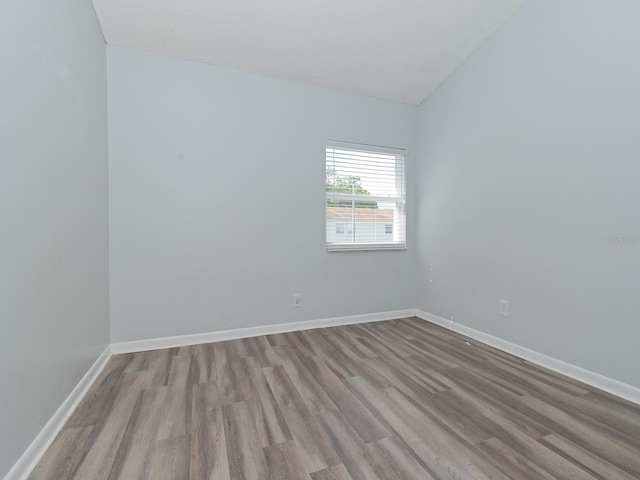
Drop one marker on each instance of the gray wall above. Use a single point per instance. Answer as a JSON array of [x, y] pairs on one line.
[[529, 158], [53, 211], [217, 199]]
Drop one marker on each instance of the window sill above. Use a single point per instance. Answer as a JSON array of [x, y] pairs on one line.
[[364, 247]]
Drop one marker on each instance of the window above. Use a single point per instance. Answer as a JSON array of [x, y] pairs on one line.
[[365, 190]]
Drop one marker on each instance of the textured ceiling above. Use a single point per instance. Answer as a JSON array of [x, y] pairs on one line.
[[395, 49]]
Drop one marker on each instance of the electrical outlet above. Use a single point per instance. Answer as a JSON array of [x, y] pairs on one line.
[[503, 308], [297, 300]]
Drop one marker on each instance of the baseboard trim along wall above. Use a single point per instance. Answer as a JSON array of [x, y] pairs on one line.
[[38, 447], [34, 452], [183, 340], [615, 387]]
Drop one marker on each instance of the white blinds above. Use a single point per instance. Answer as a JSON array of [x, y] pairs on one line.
[[365, 189]]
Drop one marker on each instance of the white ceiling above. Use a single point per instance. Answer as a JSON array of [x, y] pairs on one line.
[[395, 49]]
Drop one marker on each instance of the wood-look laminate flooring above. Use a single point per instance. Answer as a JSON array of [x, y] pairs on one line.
[[394, 400]]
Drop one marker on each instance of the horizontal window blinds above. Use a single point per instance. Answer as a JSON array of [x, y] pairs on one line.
[[365, 190]]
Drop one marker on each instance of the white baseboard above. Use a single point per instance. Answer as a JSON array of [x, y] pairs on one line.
[[615, 387], [183, 340], [35, 451]]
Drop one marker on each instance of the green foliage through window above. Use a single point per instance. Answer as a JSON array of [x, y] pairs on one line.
[[347, 184]]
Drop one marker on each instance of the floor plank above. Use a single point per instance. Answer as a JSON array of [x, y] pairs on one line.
[[395, 400]]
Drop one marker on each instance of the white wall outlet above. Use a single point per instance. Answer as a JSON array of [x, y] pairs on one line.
[[297, 300], [503, 308]]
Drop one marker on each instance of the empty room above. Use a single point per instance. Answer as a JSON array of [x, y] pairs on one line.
[[306, 240]]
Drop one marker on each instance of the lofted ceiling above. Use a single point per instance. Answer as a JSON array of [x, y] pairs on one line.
[[395, 49]]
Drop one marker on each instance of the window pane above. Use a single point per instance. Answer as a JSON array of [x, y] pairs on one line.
[[365, 192]]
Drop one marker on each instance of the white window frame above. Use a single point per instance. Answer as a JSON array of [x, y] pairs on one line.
[[398, 198]]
